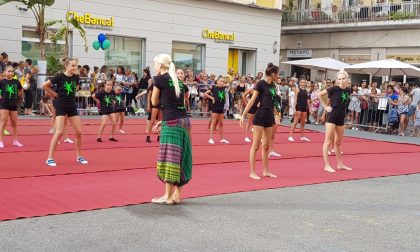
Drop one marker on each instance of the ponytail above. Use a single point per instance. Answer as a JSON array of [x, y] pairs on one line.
[[172, 74], [166, 61]]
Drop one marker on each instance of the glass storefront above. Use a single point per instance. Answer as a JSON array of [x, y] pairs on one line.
[[188, 55], [30, 45], [125, 51]]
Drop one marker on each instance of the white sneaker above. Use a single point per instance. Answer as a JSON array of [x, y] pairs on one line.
[[247, 140], [211, 141], [291, 139], [17, 144], [122, 131], [274, 154], [356, 129], [353, 128], [68, 140], [224, 141], [304, 139]]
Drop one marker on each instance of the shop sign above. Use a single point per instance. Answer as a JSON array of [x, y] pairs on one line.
[[92, 22], [299, 53], [355, 58], [218, 36], [406, 58]]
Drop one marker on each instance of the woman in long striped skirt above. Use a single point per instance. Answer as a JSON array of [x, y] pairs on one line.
[[174, 166]]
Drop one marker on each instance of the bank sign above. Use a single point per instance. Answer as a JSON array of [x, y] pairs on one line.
[[218, 36], [90, 21]]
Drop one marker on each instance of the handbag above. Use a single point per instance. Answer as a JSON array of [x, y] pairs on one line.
[[24, 83], [393, 115], [364, 105]]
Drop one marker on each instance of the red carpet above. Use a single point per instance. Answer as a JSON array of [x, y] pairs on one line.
[[123, 173]]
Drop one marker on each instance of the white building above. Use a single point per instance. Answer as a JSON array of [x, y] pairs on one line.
[[210, 35]]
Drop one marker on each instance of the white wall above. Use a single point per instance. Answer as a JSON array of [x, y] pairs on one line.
[[160, 22]]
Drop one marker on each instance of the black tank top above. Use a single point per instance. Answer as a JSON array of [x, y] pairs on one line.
[[240, 89], [302, 99]]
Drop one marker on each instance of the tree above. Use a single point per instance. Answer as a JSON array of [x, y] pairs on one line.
[[63, 33], [38, 9]]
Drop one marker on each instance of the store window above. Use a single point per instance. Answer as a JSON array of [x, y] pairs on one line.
[[188, 55], [125, 51], [30, 45]]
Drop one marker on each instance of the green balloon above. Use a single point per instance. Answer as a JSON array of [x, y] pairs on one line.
[[96, 44], [106, 44]]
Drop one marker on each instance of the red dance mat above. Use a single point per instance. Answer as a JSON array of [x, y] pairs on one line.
[[123, 173]]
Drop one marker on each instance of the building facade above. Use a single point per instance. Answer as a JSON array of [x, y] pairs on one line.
[[351, 32], [201, 35]]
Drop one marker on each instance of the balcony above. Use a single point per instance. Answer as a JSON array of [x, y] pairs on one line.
[[351, 16]]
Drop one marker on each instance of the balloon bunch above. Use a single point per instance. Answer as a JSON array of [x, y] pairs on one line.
[[102, 42]]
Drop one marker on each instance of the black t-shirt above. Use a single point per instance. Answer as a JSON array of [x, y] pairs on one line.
[[66, 89], [219, 94], [106, 100], [339, 99], [9, 92], [119, 101], [172, 107], [144, 83], [266, 95]]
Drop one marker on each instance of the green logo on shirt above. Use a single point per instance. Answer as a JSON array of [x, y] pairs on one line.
[[119, 99], [12, 90], [273, 93], [70, 87], [180, 84], [221, 95], [108, 100], [344, 97]]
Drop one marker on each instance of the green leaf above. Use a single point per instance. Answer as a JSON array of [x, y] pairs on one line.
[[53, 22]]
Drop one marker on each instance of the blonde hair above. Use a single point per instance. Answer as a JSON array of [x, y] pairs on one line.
[[342, 72], [167, 64]]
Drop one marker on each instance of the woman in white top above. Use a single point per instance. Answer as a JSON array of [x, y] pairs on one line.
[[292, 87]]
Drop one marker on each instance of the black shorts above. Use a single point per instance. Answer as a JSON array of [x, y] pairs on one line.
[[66, 110], [9, 107], [301, 109], [119, 110], [217, 111], [106, 112], [335, 118], [264, 119]]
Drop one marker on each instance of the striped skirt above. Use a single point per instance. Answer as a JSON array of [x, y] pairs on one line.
[[174, 164]]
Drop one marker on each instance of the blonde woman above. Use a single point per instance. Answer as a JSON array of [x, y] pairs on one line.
[[339, 95], [174, 164]]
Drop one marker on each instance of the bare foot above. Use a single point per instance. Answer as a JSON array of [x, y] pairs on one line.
[[345, 168], [254, 176], [328, 169], [176, 200], [269, 174]]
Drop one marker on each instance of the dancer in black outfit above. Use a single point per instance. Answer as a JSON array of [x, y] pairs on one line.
[[339, 96], [65, 106], [301, 105], [265, 90], [106, 100], [218, 99]]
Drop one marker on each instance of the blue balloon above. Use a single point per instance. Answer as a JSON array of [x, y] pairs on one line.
[[101, 37]]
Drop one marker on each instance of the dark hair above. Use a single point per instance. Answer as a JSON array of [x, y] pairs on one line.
[[15, 64], [354, 85], [122, 69], [79, 66], [416, 85], [29, 62], [271, 69], [4, 54], [95, 68], [147, 71], [103, 69], [405, 90], [87, 68]]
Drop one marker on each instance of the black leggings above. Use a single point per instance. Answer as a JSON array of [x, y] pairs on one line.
[[128, 99]]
